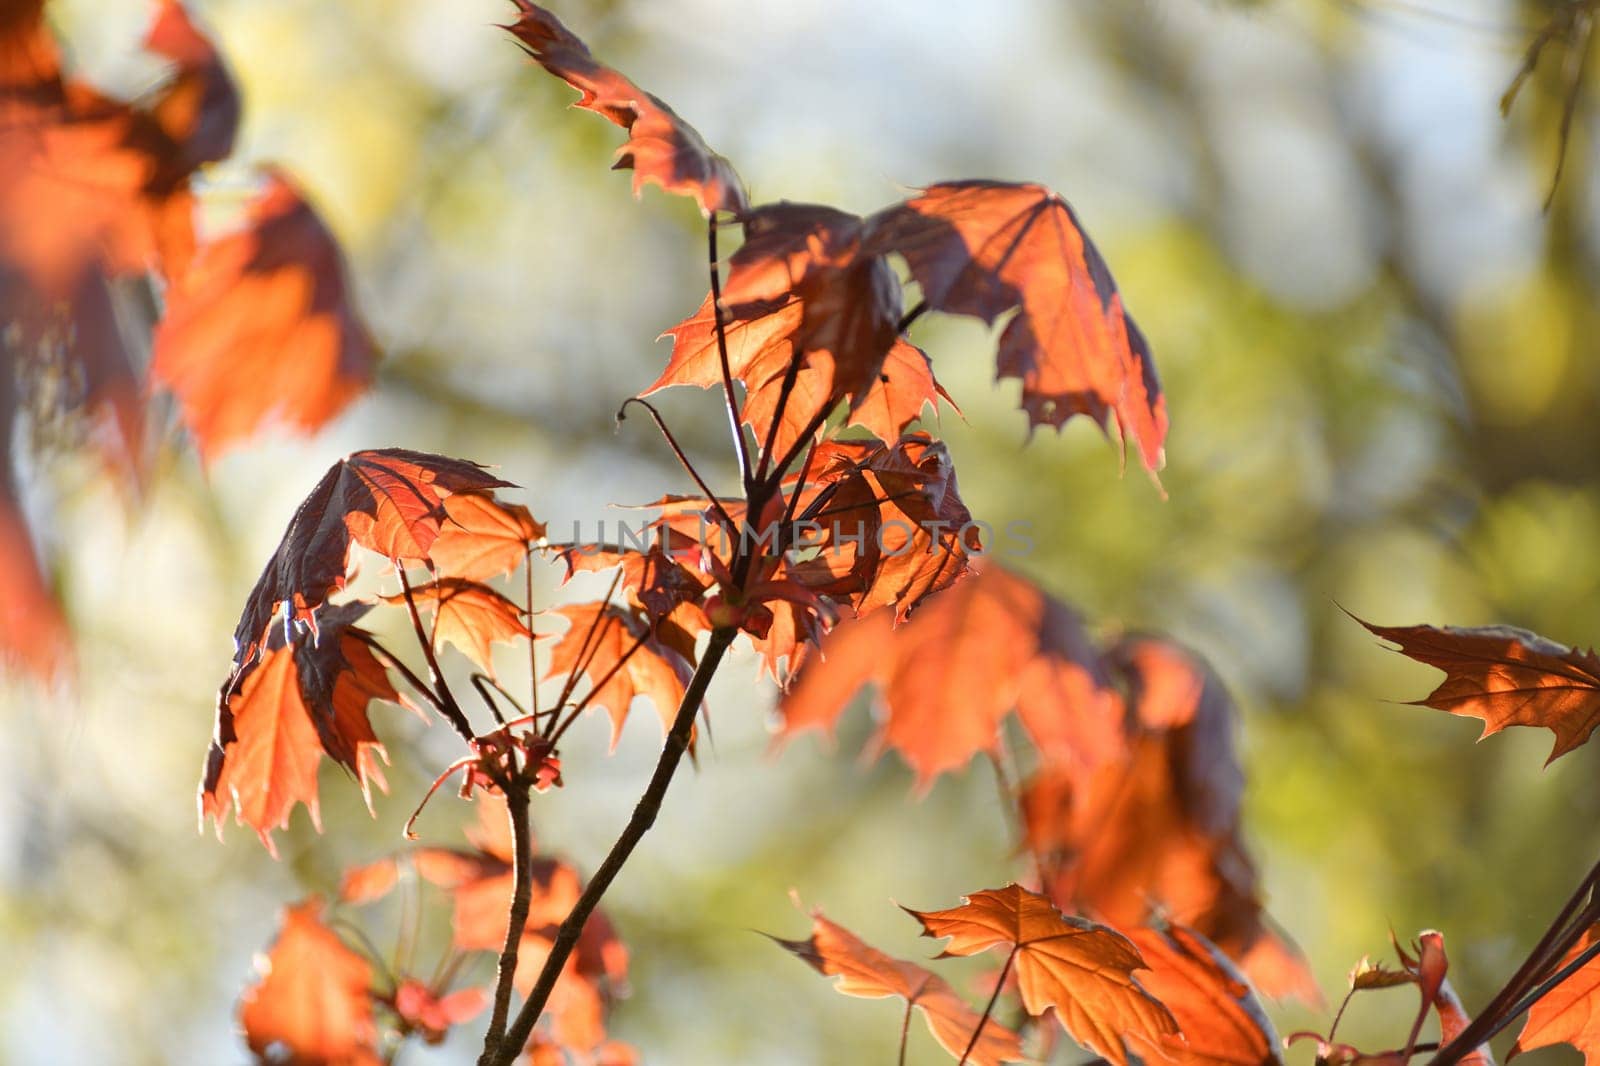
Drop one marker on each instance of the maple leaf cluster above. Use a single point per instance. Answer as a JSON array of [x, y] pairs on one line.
[[1161, 993], [249, 327], [1131, 817], [1132, 805], [811, 314], [845, 562], [856, 519], [321, 1000]]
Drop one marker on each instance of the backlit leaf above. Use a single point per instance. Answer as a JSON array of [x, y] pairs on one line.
[[1082, 970]]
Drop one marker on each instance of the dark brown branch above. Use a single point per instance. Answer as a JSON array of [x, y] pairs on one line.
[[505, 1050], [447, 701], [522, 878], [912, 315], [1581, 910]]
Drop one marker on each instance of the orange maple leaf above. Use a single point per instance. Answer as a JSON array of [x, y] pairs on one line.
[[1162, 826], [1507, 676], [281, 713], [388, 500], [982, 248], [615, 649], [947, 677], [1222, 1022], [470, 615], [864, 971], [313, 1002], [760, 349], [262, 329], [483, 538], [1570, 1013], [1082, 970], [661, 147]]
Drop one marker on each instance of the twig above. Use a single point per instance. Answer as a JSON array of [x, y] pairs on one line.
[[1000, 984], [522, 877], [590, 637], [393, 662], [438, 693], [1581, 910], [533, 641], [484, 686], [503, 1051], [604, 680], [683, 460], [911, 316], [729, 398], [791, 374]]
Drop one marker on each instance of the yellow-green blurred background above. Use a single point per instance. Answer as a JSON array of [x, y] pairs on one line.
[[1381, 364]]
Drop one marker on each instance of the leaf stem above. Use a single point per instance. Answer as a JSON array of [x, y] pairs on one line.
[[911, 316], [728, 396], [533, 641], [905, 1032], [483, 684], [446, 701], [501, 1052], [791, 374], [804, 440], [605, 679], [393, 662], [683, 460], [999, 986]]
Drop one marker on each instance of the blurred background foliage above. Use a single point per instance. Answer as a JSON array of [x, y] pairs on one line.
[[1383, 368]]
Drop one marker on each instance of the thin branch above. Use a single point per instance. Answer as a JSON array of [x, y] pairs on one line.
[[794, 497], [374, 956], [804, 440], [503, 1051], [683, 460], [522, 878], [446, 699], [605, 679], [911, 316], [1000, 983], [583, 650], [484, 684], [791, 374], [533, 642], [1581, 910], [393, 662], [728, 396]]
